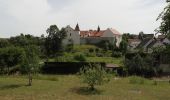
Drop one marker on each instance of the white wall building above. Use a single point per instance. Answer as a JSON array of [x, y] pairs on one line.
[[76, 36], [72, 36]]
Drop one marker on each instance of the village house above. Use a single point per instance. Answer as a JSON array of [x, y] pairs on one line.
[[77, 36], [148, 43]]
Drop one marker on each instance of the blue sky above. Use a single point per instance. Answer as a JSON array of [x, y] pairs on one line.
[[35, 16]]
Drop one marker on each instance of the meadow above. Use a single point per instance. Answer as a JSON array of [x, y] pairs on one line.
[[70, 87]]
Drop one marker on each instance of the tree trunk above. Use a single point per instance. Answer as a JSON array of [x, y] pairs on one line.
[[29, 79], [92, 87]]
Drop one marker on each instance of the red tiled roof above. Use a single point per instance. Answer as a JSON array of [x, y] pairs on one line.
[[92, 33], [95, 33]]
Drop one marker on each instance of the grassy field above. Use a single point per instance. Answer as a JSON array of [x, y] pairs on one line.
[[70, 88], [118, 61]]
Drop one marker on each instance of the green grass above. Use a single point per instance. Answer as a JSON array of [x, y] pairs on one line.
[[70, 88], [118, 61]]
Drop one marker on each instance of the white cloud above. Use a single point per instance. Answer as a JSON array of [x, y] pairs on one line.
[[34, 16]]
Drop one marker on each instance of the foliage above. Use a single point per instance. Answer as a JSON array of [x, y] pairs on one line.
[[69, 47], [10, 57], [80, 57], [141, 66], [4, 43], [94, 75], [23, 40], [53, 42], [116, 54], [106, 45], [123, 46], [30, 64], [165, 17]]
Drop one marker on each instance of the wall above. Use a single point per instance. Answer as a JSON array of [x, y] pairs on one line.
[[65, 67], [109, 33], [95, 40], [71, 35]]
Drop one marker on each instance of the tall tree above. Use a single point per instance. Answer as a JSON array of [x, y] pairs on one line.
[[165, 17], [53, 42]]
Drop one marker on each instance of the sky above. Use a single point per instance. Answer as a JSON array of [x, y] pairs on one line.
[[35, 16]]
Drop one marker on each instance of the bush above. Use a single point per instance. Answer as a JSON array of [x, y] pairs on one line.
[[94, 75], [116, 54], [91, 50], [80, 57], [63, 59]]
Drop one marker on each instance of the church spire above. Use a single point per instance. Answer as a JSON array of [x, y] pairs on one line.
[[98, 29], [77, 27]]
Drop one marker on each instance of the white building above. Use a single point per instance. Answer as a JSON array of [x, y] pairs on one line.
[[73, 36], [77, 36]]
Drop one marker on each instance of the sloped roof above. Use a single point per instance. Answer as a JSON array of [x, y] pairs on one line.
[[152, 43], [133, 40], [145, 41], [92, 33], [97, 33], [148, 35], [114, 31]]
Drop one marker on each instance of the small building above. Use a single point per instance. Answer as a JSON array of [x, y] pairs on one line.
[[133, 43]]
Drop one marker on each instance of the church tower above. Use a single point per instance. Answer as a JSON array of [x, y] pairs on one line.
[[98, 29], [77, 27]]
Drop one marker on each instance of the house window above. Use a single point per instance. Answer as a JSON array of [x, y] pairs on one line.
[[70, 34]]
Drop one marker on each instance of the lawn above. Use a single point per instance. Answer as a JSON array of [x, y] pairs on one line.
[[70, 88], [118, 61]]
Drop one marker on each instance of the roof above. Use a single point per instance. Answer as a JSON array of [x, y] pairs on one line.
[[92, 33], [145, 41], [148, 35], [133, 40], [114, 31], [152, 43]]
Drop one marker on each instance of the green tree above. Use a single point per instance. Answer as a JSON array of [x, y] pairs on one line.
[[10, 57], [94, 75], [4, 43], [53, 42], [123, 46], [31, 63], [165, 17]]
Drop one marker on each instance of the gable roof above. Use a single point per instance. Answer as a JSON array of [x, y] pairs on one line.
[[148, 35], [133, 40], [114, 31], [144, 42], [92, 33]]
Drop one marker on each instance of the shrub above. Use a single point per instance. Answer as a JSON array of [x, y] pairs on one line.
[[63, 59], [80, 57], [91, 50], [94, 75], [116, 54]]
